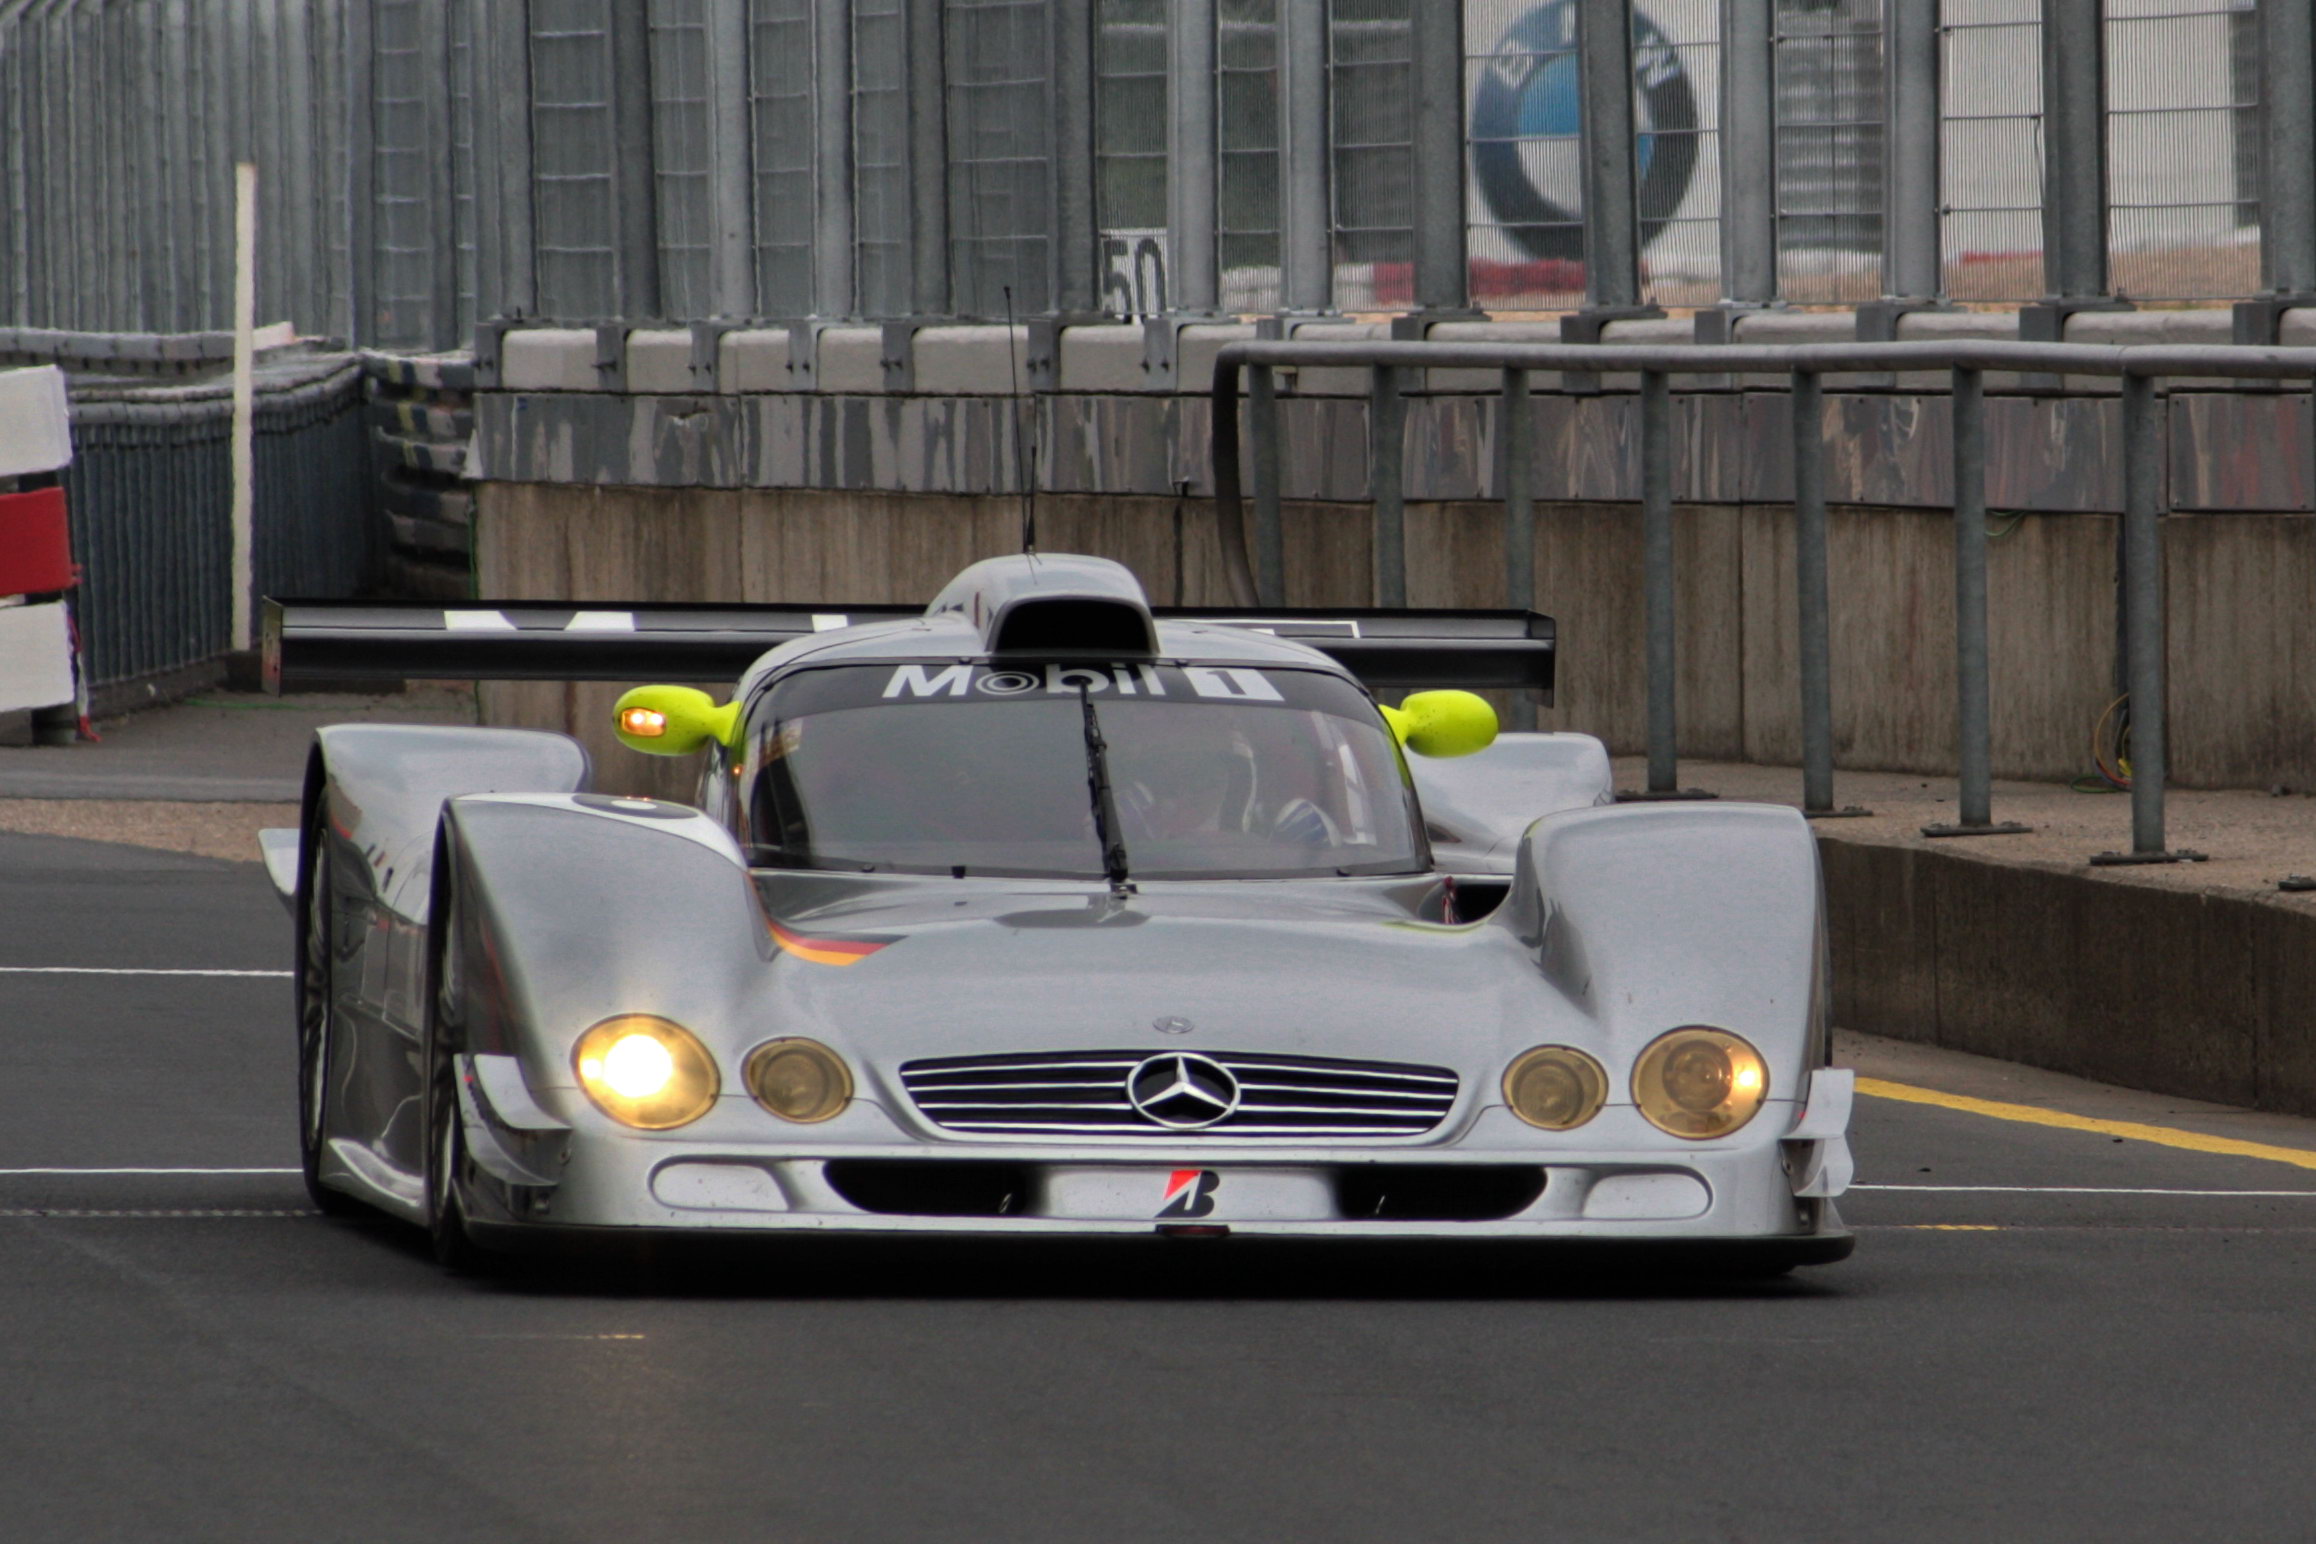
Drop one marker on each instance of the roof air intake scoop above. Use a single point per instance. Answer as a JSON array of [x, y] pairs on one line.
[[1053, 603]]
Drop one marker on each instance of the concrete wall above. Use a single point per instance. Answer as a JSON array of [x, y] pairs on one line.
[[2243, 636], [2201, 995]]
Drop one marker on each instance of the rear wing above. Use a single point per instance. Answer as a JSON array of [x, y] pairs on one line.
[[308, 641]]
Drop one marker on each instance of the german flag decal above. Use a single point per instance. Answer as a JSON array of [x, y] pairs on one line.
[[825, 950]]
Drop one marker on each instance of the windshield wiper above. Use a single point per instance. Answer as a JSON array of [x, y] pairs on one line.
[[1107, 830]]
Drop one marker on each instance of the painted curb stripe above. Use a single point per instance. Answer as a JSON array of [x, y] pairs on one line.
[[827, 951], [2135, 1131]]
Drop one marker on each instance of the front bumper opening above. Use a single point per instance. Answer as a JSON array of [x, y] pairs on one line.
[[1436, 1192], [931, 1187]]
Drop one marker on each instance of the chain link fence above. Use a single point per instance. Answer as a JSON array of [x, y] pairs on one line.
[[428, 164]]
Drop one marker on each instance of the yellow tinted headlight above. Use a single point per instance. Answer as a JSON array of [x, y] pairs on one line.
[[799, 1080], [1556, 1087], [646, 1072], [1698, 1082]]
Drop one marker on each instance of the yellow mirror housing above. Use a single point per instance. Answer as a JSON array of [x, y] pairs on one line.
[[673, 720], [1443, 723]]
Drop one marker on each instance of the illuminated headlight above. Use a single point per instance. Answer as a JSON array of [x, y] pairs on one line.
[[1699, 1082], [799, 1080], [646, 1072], [1555, 1086]]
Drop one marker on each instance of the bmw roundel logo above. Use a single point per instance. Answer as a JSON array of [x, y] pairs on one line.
[[1526, 112], [1183, 1090]]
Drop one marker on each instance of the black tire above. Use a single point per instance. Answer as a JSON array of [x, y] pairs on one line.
[[446, 1157], [315, 965]]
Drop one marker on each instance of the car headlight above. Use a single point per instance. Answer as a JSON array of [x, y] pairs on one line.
[[1698, 1082], [799, 1080], [646, 1072], [1556, 1087]]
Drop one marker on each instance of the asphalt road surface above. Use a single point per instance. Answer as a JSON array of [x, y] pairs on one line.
[[2122, 1347]]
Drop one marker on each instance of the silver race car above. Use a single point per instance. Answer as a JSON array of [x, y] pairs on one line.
[[1042, 913]]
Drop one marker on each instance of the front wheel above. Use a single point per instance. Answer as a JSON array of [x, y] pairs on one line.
[[446, 1157], [315, 962]]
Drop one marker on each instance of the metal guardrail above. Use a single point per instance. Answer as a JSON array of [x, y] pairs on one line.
[[1806, 366], [150, 491]]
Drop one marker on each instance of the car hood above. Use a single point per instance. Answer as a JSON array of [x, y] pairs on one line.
[[1319, 968]]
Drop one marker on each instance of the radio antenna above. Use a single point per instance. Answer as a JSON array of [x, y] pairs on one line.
[[1024, 459]]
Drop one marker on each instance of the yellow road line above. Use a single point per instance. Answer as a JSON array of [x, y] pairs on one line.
[[2027, 1114]]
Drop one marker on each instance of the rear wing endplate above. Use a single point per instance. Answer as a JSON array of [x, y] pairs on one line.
[[308, 641]]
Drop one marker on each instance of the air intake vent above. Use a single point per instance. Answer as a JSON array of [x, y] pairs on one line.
[[1084, 1094], [1074, 625]]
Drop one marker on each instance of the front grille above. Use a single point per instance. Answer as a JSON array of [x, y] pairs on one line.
[[1083, 1093]]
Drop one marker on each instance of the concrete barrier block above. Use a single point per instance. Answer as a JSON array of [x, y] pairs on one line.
[[1491, 381], [1332, 383], [851, 360], [756, 360], [1194, 351], [1105, 359], [2298, 328], [2209, 432], [966, 361], [548, 359], [35, 421], [660, 360]]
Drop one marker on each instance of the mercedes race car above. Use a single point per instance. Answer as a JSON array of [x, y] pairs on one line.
[[1041, 912]]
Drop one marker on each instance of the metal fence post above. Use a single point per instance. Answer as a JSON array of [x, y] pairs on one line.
[[1386, 455], [1973, 718], [2288, 148], [511, 126], [635, 203], [928, 162], [1748, 154], [731, 260], [1912, 257], [832, 234], [2143, 500], [441, 205], [1611, 203], [1076, 227], [1306, 234], [1436, 49], [2074, 66], [1191, 170], [1270, 537], [361, 175], [1516, 432], [1809, 559]]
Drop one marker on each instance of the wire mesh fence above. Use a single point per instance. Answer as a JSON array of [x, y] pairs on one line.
[[427, 164]]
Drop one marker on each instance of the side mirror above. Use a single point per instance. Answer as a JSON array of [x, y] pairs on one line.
[[673, 720], [1443, 723]]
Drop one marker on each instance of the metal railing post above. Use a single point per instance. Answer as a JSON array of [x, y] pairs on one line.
[[1270, 538], [731, 169], [2143, 631], [1386, 455], [1516, 432], [1656, 452], [1077, 282], [1809, 560], [1973, 718]]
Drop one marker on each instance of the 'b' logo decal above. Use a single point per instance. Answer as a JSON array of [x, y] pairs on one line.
[[1190, 1193]]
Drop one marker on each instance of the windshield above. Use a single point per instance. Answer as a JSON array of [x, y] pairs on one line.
[[1214, 772]]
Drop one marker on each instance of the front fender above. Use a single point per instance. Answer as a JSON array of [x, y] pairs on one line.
[[1653, 916], [570, 909]]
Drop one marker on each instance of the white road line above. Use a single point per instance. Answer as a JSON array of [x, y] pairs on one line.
[[2076, 1190], [108, 970], [58, 1211], [5, 1173]]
